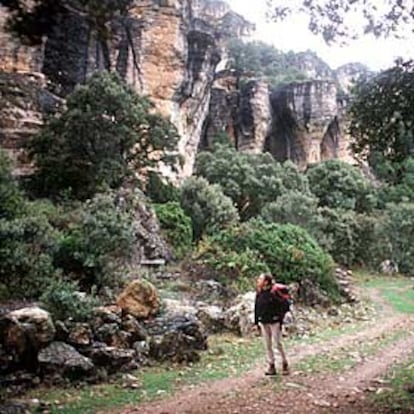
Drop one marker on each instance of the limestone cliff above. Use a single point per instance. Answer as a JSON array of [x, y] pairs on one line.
[[167, 50], [240, 110], [307, 123]]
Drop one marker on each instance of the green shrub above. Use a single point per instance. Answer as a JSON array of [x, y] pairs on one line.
[[27, 248], [97, 242], [237, 269], [161, 191], [287, 250], [63, 300], [350, 238], [106, 133], [176, 226], [250, 180], [399, 229], [292, 207], [11, 199], [340, 185], [210, 210]]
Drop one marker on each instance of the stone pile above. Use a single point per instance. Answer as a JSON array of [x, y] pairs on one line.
[[116, 338], [346, 285]]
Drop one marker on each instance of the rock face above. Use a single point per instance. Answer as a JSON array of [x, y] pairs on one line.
[[244, 114], [347, 75], [139, 299], [24, 102], [307, 125], [166, 50], [173, 52]]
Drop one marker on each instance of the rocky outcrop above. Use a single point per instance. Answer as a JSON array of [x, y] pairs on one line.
[[240, 110], [166, 50], [306, 123], [25, 101], [139, 299], [349, 74]]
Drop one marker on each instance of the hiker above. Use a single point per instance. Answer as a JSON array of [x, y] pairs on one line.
[[268, 315]]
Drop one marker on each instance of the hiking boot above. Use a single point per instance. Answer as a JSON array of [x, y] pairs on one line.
[[285, 369], [271, 370]]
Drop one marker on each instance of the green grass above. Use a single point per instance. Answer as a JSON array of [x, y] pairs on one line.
[[396, 398], [346, 358], [228, 356], [397, 291]]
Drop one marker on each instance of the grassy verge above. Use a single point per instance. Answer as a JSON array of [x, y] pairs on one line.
[[398, 396], [397, 291], [347, 357]]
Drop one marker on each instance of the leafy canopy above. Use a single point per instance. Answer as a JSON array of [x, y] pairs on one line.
[[334, 19], [210, 210], [382, 119], [341, 185], [106, 134], [250, 180], [263, 60]]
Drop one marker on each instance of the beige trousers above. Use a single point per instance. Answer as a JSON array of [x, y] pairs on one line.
[[273, 332]]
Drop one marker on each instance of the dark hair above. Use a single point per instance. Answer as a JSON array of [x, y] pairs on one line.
[[268, 278]]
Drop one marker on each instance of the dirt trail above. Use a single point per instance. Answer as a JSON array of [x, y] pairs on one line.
[[313, 393]]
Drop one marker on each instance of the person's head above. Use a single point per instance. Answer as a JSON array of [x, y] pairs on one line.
[[264, 281]]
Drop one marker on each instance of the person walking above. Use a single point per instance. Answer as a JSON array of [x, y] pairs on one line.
[[268, 315]]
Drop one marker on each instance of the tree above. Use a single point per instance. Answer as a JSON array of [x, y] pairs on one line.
[[210, 210], [263, 60], [106, 134], [382, 119], [250, 180], [335, 19], [341, 185]]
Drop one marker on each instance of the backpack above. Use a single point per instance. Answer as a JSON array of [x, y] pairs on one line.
[[282, 293]]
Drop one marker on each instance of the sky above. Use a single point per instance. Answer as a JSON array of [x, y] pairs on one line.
[[293, 34]]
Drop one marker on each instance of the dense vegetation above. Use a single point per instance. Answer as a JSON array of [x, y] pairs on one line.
[[262, 60], [239, 215]]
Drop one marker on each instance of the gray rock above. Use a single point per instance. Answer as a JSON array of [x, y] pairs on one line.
[[63, 359], [24, 332], [239, 318], [212, 318], [177, 339], [80, 334], [109, 357]]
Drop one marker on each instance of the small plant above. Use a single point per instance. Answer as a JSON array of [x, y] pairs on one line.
[[63, 300], [176, 226], [210, 210], [96, 243]]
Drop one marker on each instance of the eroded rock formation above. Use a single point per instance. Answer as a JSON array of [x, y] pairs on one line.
[[166, 50], [173, 52]]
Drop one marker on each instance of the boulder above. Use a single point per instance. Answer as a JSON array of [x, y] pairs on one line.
[[107, 314], [175, 307], [112, 335], [139, 299], [131, 326], [178, 339], [80, 334], [214, 292], [110, 357], [212, 318], [239, 318], [64, 360], [24, 332]]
